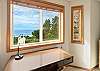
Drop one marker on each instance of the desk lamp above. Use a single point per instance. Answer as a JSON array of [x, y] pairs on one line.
[[21, 40]]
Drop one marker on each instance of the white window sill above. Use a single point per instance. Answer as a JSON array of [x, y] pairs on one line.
[[44, 43]]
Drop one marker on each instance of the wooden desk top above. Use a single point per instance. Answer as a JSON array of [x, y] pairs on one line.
[[37, 59]]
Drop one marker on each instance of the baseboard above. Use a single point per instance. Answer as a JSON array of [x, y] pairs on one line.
[[79, 67], [94, 67], [84, 68]]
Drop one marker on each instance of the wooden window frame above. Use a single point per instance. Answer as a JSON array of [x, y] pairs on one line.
[[40, 4]]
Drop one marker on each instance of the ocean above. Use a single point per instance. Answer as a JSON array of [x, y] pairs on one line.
[[24, 32]]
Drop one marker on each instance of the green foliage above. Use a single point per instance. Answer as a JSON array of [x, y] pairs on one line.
[[50, 30], [15, 40], [46, 29], [36, 33], [33, 38], [55, 26]]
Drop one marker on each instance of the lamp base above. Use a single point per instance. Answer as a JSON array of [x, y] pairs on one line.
[[18, 57]]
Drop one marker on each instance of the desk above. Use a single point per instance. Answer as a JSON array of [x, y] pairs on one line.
[[47, 60]]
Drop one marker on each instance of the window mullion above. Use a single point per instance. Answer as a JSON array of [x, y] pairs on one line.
[[41, 26], [59, 26]]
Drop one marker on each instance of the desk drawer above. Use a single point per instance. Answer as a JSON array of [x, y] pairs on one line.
[[60, 63], [65, 62], [68, 61]]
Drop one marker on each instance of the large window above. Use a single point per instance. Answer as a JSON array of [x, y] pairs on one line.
[[38, 22]]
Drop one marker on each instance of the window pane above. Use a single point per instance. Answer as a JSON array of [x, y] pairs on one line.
[[26, 22], [50, 25]]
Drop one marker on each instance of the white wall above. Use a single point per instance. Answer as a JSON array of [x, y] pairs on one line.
[[95, 32], [4, 56], [0, 38], [81, 52], [86, 55]]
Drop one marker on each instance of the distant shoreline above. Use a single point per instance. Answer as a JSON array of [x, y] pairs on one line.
[[16, 33]]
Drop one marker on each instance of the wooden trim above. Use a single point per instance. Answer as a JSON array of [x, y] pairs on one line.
[[64, 25], [42, 4], [84, 68], [33, 47], [82, 25], [8, 26]]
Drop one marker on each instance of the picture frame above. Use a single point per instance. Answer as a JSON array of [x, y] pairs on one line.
[[77, 24]]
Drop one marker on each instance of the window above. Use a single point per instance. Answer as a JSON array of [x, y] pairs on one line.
[[39, 22], [26, 22]]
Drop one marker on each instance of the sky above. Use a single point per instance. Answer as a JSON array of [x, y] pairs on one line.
[[25, 18]]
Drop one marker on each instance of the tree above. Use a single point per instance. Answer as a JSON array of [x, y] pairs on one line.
[[15, 40], [50, 29], [36, 33], [55, 27], [46, 29]]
